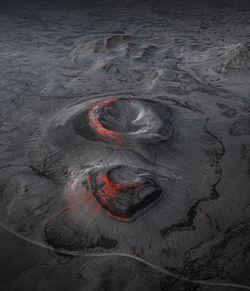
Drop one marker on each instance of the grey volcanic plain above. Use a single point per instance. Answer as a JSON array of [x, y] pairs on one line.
[[125, 145]]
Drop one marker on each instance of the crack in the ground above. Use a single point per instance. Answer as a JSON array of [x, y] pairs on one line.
[[192, 212]]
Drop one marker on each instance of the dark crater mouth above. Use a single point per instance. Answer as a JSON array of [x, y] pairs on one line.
[[124, 192], [123, 120]]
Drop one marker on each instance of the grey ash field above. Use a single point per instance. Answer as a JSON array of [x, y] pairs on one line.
[[125, 145]]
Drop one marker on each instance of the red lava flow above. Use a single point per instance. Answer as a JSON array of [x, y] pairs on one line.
[[97, 126], [81, 196]]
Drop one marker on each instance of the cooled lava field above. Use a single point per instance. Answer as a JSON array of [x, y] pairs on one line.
[[125, 145]]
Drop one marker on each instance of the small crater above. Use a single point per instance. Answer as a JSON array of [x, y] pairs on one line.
[[122, 120], [125, 192]]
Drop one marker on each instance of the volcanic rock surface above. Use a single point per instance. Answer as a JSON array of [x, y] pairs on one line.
[[125, 145]]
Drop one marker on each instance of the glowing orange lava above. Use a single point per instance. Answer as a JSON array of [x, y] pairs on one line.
[[81, 196], [97, 126]]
